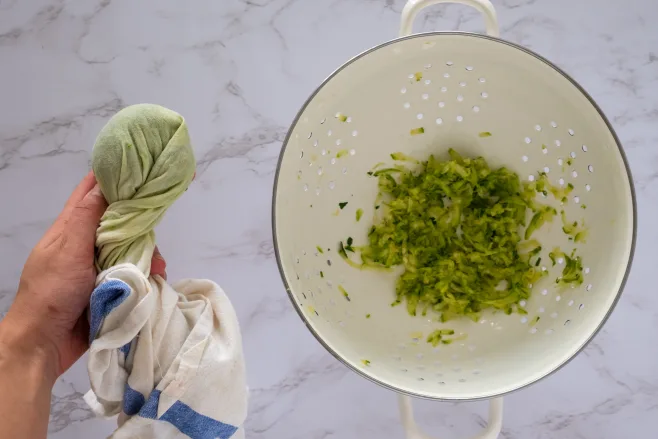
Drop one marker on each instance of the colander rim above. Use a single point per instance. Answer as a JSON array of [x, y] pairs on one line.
[[361, 372]]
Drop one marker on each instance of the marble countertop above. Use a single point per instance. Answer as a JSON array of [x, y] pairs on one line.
[[239, 70]]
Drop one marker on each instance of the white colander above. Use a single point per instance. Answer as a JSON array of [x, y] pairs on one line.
[[455, 86]]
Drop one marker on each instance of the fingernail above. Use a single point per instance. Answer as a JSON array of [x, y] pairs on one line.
[[95, 197], [96, 190]]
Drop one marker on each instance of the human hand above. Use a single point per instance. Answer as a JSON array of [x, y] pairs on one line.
[[57, 280]]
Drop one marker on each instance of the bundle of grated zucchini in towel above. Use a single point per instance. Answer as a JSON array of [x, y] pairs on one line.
[[166, 358]]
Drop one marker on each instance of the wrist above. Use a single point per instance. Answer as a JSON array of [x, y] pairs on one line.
[[26, 382], [25, 355]]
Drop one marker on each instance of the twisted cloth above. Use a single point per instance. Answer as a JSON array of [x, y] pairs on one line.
[[167, 359], [143, 162]]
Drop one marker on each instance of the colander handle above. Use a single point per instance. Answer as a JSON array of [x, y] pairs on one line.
[[413, 7], [492, 431]]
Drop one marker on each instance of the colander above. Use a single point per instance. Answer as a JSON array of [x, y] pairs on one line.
[[454, 86]]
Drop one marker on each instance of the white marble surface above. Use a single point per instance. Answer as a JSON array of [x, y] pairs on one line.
[[239, 71]]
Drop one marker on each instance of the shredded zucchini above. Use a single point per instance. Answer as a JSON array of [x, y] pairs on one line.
[[542, 215], [437, 337], [576, 232], [343, 292], [457, 228], [543, 185], [573, 271], [400, 156]]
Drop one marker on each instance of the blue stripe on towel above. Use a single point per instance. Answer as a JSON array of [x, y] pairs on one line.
[[196, 425], [150, 408], [104, 299], [132, 401], [180, 415], [125, 348]]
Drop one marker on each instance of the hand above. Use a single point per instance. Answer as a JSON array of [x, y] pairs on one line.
[[48, 313]]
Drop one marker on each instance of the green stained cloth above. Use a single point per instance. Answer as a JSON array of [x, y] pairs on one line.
[[143, 162]]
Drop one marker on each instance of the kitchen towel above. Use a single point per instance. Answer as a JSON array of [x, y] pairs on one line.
[[167, 359]]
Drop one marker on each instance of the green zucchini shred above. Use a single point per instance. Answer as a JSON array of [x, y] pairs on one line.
[[400, 156], [543, 185], [344, 293], [572, 273], [543, 215], [578, 232], [437, 337]]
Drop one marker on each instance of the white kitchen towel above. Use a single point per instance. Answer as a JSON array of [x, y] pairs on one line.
[[167, 359]]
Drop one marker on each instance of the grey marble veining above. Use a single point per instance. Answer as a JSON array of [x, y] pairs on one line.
[[238, 70]]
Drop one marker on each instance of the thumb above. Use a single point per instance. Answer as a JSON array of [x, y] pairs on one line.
[[86, 216]]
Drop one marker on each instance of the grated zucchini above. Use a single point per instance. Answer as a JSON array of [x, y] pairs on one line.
[[457, 228]]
